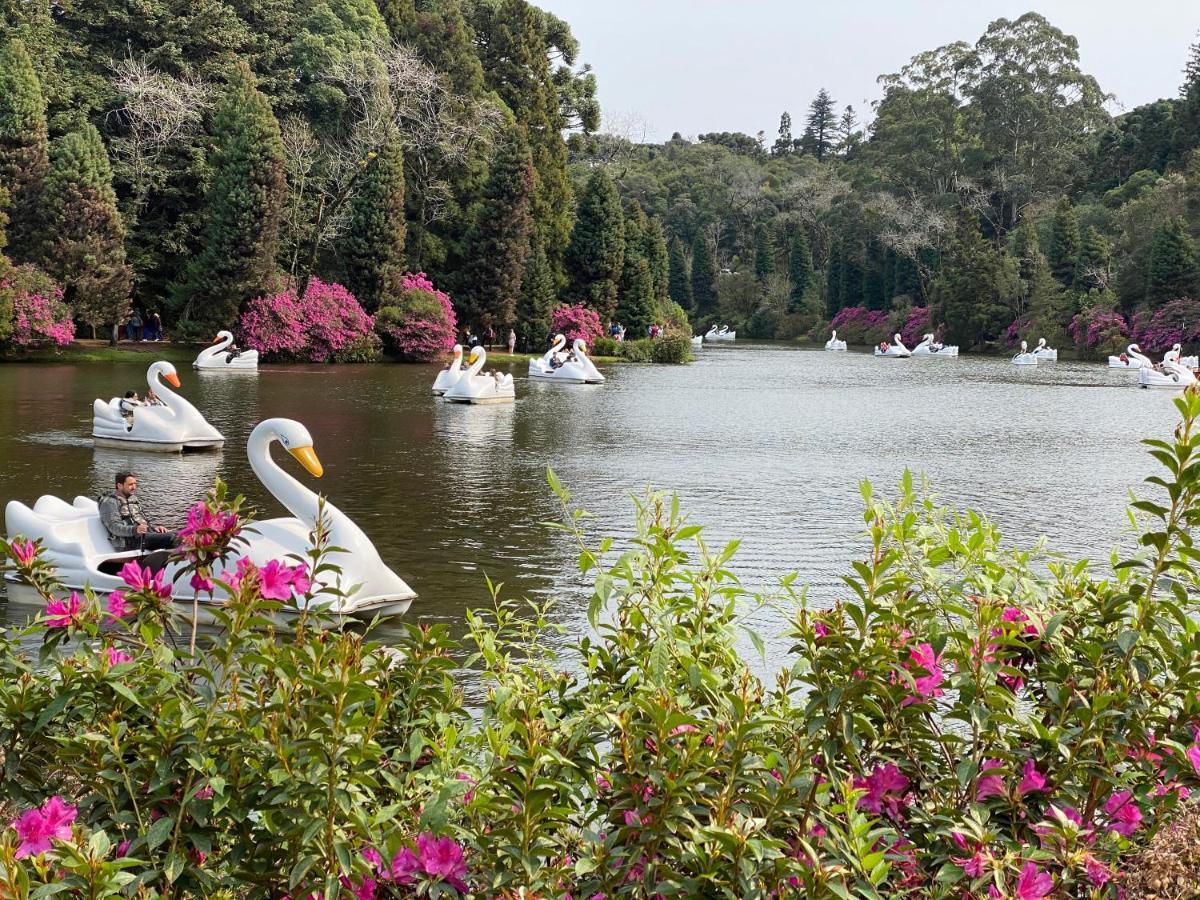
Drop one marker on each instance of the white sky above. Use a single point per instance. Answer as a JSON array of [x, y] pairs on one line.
[[734, 65]]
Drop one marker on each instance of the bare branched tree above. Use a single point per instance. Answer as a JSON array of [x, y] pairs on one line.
[[909, 228]]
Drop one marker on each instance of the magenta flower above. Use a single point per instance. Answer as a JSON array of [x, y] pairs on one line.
[[922, 657], [1097, 872], [442, 858], [371, 855], [1124, 815], [885, 788], [144, 580], [405, 865], [470, 794], [24, 551], [61, 613], [603, 785], [205, 793], [122, 849], [990, 785], [632, 819], [117, 607], [820, 630], [275, 581], [1034, 884], [117, 657], [201, 582], [37, 827], [301, 582], [1193, 755], [1031, 779]]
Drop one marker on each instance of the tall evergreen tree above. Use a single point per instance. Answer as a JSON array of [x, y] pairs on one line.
[[500, 241], [851, 278], [372, 249], [242, 207], [764, 253], [874, 294], [834, 280], [800, 269], [822, 125], [1064, 243], [1093, 271], [785, 142], [1026, 248], [974, 290], [848, 133], [536, 303], [679, 287], [658, 257], [1173, 270], [597, 251], [635, 309], [1187, 116], [23, 150], [704, 274], [83, 238]]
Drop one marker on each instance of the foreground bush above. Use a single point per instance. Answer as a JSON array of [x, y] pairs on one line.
[[326, 325], [968, 721]]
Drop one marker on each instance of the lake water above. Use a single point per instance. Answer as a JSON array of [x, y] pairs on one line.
[[763, 442]]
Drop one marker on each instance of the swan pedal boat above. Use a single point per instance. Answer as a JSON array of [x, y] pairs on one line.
[[171, 428], [834, 344], [1124, 361], [216, 358], [1171, 374], [723, 335], [449, 376], [698, 340], [927, 347], [76, 544], [474, 387], [895, 350], [1024, 358], [1044, 353], [577, 370]]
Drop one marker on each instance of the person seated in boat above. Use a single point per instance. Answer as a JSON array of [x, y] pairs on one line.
[[555, 362], [152, 399], [126, 524], [126, 406]]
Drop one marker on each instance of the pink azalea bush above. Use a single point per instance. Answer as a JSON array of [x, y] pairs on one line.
[[40, 316], [917, 324], [1175, 322], [859, 325], [576, 321], [327, 325], [419, 325], [1098, 331]]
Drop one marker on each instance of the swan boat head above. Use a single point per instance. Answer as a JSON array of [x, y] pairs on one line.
[[166, 371]]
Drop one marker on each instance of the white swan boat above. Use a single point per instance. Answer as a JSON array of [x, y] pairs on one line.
[[218, 358], [1125, 361], [698, 340], [1171, 374], [449, 376], [928, 347], [170, 428], [834, 344], [1024, 358], [1188, 362], [895, 350], [724, 334], [1044, 353], [474, 387], [574, 368], [76, 544]]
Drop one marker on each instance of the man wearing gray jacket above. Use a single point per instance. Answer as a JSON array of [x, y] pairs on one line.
[[126, 524]]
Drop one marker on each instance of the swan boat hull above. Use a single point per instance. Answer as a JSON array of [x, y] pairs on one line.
[[118, 443], [891, 353], [1151, 378], [1115, 362], [247, 362], [567, 373]]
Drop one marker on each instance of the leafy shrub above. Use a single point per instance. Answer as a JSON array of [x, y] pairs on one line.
[[40, 317], [859, 325], [1176, 322], [636, 351], [916, 325], [327, 325], [576, 322], [1099, 332], [798, 326], [672, 349], [966, 717], [673, 317], [419, 325], [605, 346]]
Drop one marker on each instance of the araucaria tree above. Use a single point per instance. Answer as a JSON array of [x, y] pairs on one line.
[[596, 255], [242, 207], [82, 241], [679, 285], [23, 152], [500, 241], [821, 132], [704, 274], [372, 248]]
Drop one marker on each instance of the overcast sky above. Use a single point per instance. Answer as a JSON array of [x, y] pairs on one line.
[[694, 66]]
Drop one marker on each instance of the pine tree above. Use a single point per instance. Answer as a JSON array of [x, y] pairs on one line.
[[1026, 248], [764, 254], [975, 288], [704, 274], [372, 249], [1173, 269], [635, 309], [784, 143], [874, 295], [500, 241], [23, 151], [83, 238], [679, 287], [536, 303], [800, 270], [852, 278], [1094, 270], [848, 134], [242, 207], [658, 256], [834, 278], [822, 124], [1064, 243], [597, 250]]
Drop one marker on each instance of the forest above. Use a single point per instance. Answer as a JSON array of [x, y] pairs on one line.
[[397, 170]]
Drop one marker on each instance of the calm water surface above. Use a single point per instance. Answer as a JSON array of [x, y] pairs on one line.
[[762, 442]]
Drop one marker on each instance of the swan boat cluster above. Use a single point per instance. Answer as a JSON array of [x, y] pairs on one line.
[[456, 384], [895, 349]]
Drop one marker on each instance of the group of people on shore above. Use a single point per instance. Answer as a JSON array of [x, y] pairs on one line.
[[139, 328], [471, 340]]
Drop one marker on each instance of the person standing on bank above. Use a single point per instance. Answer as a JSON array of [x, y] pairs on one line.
[[126, 524]]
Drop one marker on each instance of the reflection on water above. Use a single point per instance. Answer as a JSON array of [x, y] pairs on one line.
[[764, 443]]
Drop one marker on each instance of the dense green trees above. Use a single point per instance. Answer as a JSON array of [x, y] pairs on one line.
[[1173, 270], [372, 249], [800, 269], [597, 252], [704, 275], [679, 287], [1064, 243], [23, 145]]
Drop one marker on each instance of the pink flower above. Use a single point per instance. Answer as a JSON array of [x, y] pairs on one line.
[[301, 583], [405, 865], [820, 630], [117, 607], [145, 580], [1097, 872], [24, 551], [923, 657], [632, 819], [682, 729], [470, 794], [1019, 617], [117, 657], [37, 827], [201, 582], [1124, 816], [122, 849], [1193, 755], [1031, 779], [603, 785], [442, 858], [61, 613], [1034, 884], [275, 581], [885, 788], [990, 785], [205, 793]]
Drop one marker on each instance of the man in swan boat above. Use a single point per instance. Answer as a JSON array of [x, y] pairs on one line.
[[126, 524]]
